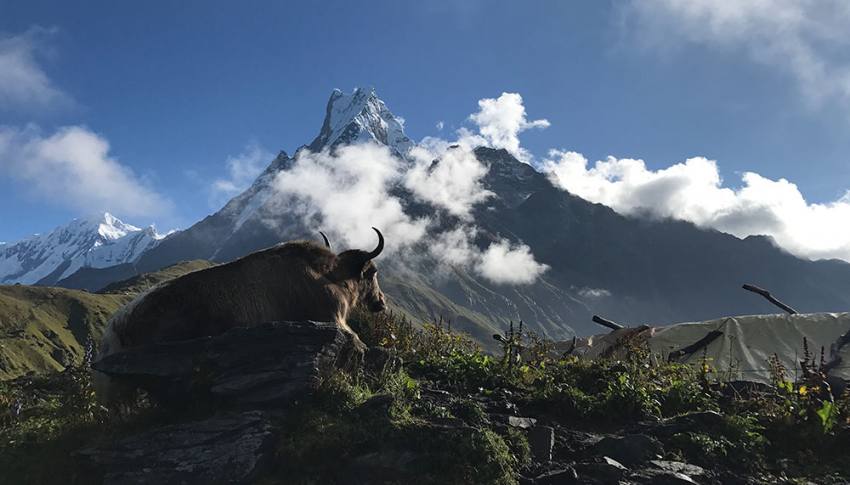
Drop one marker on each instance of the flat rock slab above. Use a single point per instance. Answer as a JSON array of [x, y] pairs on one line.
[[228, 449], [266, 364]]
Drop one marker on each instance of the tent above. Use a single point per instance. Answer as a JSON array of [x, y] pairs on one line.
[[738, 348]]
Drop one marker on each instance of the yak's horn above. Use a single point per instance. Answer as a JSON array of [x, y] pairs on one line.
[[328, 244], [380, 247]]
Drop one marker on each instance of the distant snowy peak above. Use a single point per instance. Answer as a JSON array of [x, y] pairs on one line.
[[358, 117], [98, 241]]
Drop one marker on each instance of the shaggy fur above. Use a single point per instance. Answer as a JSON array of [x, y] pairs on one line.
[[292, 281]]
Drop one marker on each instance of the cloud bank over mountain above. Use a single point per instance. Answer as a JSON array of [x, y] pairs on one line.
[[694, 191], [349, 189]]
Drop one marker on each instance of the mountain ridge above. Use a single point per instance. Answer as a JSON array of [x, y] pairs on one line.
[[97, 241], [630, 269]]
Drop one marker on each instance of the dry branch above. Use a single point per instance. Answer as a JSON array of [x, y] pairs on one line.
[[766, 294]]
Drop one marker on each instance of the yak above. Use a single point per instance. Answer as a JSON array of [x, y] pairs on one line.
[[297, 280]]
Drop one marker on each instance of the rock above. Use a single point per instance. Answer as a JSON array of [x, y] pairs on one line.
[[225, 449], [570, 443], [563, 476], [601, 470], [541, 439], [661, 477], [262, 365], [629, 450], [677, 467], [521, 423]]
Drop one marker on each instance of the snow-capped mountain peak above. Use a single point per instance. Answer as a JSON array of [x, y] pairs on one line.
[[97, 241], [361, 116]]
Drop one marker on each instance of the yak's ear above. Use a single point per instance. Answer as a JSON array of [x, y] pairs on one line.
[[368, 270]]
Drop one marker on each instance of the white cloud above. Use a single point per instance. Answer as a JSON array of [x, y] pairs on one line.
[[501, 120], [440, 125], [241, 170], [347, 192], [453, 183], [694, 191], [23, 83], [507, 264], [73, 167], [353, 188], [807, 39]]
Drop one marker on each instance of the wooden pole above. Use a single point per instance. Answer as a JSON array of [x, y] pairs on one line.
[[607, 323], [766, 294], [699, 344]]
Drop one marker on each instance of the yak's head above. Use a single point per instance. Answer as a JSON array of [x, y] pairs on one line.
[[357, 268]]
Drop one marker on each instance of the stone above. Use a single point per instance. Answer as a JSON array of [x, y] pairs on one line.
[[571, 444], [563, 476], [629, 450], [231, 448], [602, 470], [678, 467], [273, 363], [661, 477], [521, 423], [541, 439]]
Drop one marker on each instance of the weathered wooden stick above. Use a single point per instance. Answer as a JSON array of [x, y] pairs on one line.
[[607, 323], [766, 294], [698, 345]]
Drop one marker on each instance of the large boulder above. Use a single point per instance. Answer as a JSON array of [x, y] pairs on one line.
[[229, 449], [273, 363]]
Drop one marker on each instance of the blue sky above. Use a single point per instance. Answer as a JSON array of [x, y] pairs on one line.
[[178, 88]]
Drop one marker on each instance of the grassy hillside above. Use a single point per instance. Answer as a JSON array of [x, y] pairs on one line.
[[44, 329], [444, 416]]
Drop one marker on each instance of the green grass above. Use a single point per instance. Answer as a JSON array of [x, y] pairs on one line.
[[45, 329], [386, 422]]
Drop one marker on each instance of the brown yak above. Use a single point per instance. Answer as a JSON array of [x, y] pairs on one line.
[[292, 281]]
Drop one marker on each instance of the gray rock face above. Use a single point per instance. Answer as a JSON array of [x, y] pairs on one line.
[[541, 439], [601, 470], [263, 365], [557, 477], [225, 449]]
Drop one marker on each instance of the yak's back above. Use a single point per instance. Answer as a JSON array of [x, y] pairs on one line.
[[213, 300]]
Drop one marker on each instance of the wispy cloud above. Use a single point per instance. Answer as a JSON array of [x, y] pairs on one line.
[[24, 85], [73, 167], [805, 39], [242, 169]]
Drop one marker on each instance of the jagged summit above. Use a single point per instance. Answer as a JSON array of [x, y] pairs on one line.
[[357, 117], [99, 240]]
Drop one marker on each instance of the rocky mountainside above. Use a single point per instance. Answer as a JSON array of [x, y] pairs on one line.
[[101, 241], [629, 269]]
